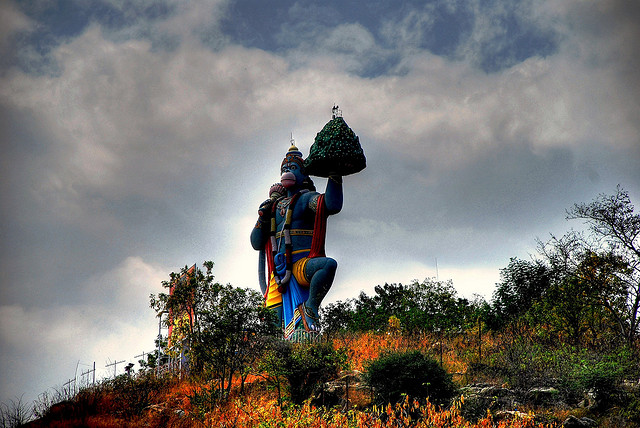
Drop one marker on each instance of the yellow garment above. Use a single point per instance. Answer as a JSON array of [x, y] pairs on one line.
[[298, 271], [274, 297]]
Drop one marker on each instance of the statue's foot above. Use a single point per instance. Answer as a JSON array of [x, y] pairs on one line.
[[313, 320]]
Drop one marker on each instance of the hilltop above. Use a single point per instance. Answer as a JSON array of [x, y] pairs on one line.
[[341, 399]]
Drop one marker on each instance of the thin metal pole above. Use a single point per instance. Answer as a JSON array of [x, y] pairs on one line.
[[440, 348], [158, 347], [114, 364], [479, 339]]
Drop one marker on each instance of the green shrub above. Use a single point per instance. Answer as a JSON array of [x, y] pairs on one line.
[[309, 367], [603, 378], [305, 367], [631, 410], [396, 374]]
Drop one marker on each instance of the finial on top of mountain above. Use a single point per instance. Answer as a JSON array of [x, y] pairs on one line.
[[336, 112]]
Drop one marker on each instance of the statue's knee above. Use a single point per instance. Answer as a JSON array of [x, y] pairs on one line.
[[321, 269], [331, 265]]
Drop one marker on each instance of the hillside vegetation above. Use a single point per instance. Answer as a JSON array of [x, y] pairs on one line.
[[336, 394], [557, 345]]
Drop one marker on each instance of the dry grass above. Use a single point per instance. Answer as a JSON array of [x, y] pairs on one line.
[[258, 406]]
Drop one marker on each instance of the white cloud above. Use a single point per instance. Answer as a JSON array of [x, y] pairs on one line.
[[470, 280], [114, 322], [126, 286]]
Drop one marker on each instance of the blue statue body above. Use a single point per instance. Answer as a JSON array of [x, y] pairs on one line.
[[289, 234]]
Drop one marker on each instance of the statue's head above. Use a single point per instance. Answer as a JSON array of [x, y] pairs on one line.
[[292, 169]]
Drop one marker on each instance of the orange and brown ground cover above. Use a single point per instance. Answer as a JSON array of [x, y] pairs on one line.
[[258, 406]]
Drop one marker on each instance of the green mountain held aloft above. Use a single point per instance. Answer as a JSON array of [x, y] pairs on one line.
[[335, 151]]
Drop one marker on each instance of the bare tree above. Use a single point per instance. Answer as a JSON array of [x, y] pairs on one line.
[[615, 239], [605, 258], [14, 414]]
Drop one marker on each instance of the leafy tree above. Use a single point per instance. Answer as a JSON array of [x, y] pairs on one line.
[[365, 317], [391, 300], [229, 341], [338, 316], [273, 366], [310, 366], [522, 283], [223, 336], [304, 367], [436, 305], [419, 307], [615, 228], [570, 313], [189, 292]]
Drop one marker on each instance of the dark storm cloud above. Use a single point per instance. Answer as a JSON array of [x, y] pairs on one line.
[[509, 191], [509, 186], [619, 22], [60, 20], [494, 34]]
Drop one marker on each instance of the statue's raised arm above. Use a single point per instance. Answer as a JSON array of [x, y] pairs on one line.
[[333, 194]]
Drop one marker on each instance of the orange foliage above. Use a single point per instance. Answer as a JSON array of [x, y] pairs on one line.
[[260, 408], [455, 350], [265, 413]]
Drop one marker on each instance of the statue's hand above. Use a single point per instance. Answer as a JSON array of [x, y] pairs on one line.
[[264, 212]]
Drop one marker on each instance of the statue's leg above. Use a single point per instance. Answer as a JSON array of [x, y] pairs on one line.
[[321, 270]]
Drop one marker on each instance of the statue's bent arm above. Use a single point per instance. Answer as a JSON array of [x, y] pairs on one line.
[[333, 195]]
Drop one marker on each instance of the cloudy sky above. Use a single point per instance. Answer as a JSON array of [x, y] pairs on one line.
[[140, 136]]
